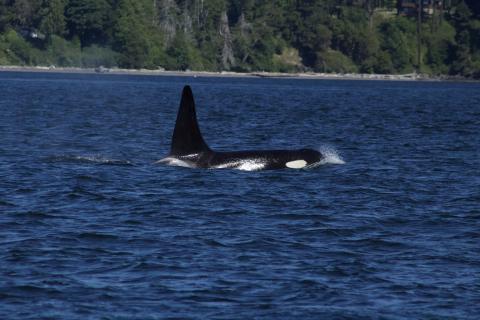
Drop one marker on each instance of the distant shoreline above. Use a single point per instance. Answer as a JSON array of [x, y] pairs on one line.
[[229, 74]]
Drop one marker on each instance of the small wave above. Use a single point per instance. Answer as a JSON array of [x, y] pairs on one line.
[[94, 159], [97, 236], [31, 290], [331, 155], [6, 203], [35, 215]]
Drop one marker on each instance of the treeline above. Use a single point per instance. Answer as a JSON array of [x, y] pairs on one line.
[[368, 36]]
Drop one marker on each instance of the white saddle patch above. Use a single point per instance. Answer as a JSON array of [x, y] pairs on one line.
[[171, 161], [296, 164], [251, 166], [245, 165]]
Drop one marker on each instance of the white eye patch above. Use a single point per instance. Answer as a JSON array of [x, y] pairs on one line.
[[296, 164]]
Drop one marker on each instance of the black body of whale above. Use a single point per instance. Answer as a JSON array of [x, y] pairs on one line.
[[188, 149]]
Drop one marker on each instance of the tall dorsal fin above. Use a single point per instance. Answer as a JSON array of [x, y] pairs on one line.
[[187, 138]]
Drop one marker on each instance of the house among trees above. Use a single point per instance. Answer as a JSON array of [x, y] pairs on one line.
[[409, 7]]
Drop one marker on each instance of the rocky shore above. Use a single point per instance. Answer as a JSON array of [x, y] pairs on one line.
[[188, 73]]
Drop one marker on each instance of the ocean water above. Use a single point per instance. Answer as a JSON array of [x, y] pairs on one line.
[[91, 228]]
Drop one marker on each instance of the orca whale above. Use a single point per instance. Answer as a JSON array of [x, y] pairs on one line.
[[188, 149]]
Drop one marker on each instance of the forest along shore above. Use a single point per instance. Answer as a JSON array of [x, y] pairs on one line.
[[188, 73], [319, 36]]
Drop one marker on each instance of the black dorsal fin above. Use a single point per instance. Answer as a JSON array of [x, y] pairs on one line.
[[187, 138]]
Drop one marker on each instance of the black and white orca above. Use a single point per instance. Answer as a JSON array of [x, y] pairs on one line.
[[188, 149]]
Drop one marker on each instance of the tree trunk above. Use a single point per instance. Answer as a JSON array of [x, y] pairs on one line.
[[227, 52], [370, 8], [419, 34]]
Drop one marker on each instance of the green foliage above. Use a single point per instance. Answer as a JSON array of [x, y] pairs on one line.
[[14, 49], [353, 37], [312, 33], [242, 35], [25, 13], [380, 63], [138, 45], [64, 53], [474, 6], [6, 16], [52, 18], [4, 51], [334, 61], [438, 46], [462, 63], [475, 34], [256, 46], [17, 49], [88, 20], [95, 56], [262, 46], [398, 40], [182, 55], [288, 60], [462, 15]]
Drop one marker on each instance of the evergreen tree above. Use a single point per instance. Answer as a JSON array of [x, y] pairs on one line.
[[89, 20], [52, 18], [462, 61], [25, 13], [135, 37], [474, 6]]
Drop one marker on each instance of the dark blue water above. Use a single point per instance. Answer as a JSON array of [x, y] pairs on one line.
[[90, 228]]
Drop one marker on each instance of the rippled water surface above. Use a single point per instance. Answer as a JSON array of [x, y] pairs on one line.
[[90, 228]]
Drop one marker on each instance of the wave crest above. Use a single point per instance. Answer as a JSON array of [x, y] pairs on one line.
[[94, 159], [331, 155]]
